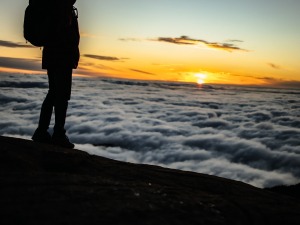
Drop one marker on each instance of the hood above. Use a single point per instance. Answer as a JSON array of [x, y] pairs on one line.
[[47, 1]]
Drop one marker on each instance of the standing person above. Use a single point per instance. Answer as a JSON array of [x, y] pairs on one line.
[[60, 57]]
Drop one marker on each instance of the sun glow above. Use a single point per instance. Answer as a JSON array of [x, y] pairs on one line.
[[200, 78]]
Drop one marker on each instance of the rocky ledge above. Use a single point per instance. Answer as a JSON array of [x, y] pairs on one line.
[[44, 184]]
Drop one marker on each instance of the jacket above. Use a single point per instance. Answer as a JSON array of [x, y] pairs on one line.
[[62, 51]]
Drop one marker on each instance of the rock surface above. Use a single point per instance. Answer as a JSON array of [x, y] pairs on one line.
[[44, 184]]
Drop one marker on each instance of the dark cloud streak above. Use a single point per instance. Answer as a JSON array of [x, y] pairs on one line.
[[101, 57], [288, 84], [141, 71], [185, 40], [279, 83], [20, 63], [274, 66], [9, 44]]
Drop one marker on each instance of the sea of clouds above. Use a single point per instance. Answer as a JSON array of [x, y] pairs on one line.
[[242, 133]]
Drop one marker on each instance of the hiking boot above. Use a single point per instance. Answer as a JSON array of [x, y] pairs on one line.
[[41, 136], [62, 141]]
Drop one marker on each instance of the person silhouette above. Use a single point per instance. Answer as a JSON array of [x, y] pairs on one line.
[[60, 56]]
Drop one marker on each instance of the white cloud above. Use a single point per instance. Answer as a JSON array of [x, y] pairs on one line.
[[246, 134]]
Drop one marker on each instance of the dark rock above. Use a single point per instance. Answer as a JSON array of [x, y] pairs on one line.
[[44, 184], [292, 191]]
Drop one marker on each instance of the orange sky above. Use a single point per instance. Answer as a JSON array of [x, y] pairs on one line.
[[231, 42]]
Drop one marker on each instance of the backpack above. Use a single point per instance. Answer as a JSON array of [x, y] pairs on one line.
[[37, 22]]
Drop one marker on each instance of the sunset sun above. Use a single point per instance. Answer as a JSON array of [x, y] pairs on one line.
[[200, 78]]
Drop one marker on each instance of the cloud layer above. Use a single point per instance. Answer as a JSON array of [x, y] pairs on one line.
[[246, 134]]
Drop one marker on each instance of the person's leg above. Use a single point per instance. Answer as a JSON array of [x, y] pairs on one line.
[[41, 134], [63, 84], [61, 108], [46, 112]]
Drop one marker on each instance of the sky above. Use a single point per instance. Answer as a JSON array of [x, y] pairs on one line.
[[240, 42]]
